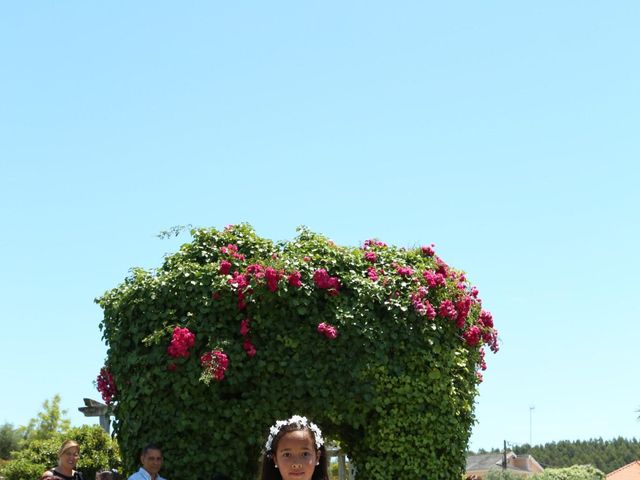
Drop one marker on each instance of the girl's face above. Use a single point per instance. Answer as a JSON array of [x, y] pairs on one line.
[[296, 455]]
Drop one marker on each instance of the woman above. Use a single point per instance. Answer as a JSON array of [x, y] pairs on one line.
[[67, 459]]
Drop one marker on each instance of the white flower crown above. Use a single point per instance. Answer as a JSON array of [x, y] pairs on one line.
[[299, 421]]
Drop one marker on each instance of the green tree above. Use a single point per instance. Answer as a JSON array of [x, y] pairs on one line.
[[381, 346], [9, 440], [98, 451], [47, 423], [575, 472], [606, 455]]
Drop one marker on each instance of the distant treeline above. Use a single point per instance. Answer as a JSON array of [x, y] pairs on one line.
[[606, 455]]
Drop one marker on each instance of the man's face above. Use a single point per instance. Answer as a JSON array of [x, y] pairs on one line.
[[152, 461]]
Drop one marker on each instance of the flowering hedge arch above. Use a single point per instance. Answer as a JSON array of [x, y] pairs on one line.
[[381, 346]]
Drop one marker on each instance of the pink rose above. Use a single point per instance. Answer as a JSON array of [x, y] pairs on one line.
[[327, 330], [486, 319], [225, 267], [244, 327], [405, 271], [372, 274], [181, 342], [272, 276], [295, 279], [428, 251], [472, 336], [249, 348], [447, 310]]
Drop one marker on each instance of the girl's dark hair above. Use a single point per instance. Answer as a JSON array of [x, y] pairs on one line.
[[269, 470]]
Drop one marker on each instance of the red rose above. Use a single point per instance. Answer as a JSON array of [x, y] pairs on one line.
[[225, 267], [295, 279]]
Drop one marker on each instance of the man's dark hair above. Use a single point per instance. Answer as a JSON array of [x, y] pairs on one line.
[[151, 446]]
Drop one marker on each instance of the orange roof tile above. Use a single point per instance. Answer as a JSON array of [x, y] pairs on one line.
[[628, 472]]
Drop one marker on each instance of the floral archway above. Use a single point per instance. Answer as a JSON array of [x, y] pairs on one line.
[[382, 346]]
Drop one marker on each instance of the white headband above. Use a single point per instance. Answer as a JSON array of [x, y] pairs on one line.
[[299, 421]]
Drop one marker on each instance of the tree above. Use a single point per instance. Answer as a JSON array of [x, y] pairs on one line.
[[380, 346], [575, 472], [606, 455], [47, 423], [9, 440]]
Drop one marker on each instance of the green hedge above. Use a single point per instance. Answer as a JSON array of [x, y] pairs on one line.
[[346, 336]]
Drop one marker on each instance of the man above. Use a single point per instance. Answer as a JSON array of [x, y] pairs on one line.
[[151, 460]]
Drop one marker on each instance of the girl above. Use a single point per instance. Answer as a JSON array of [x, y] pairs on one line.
[[294, 450]]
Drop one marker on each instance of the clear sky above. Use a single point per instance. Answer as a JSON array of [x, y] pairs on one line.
[[505, 132]]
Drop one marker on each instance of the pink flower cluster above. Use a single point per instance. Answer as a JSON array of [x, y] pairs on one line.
[[295, 279], [421, 305], [370, 256], [373, 243], [244, 327], [404, 271], [247, 345], [233, 251], [490, 337], [325, 281], [434, 279], [256, 270], [327, 330], [272, 276], [448, 310], [214, 364], [106, 385], [482, 331], [241, 282], [472, 336], [486, 319], [462, 307], [482, 363], [181, 342], [372, 274], [225, 267], [428, 251], [443, 268]]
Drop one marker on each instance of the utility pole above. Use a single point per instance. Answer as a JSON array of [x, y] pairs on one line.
[[531, 409], [504, 456]]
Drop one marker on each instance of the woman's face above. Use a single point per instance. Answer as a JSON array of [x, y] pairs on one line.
[[69, 457], [296, 455]]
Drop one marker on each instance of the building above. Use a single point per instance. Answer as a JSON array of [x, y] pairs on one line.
[[630, 471], [480, 465]]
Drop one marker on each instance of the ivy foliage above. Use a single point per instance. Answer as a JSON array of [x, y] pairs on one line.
[[382, 356], [97, 452]]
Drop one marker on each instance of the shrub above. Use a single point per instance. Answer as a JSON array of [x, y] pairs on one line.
[[381, 346], [499, 474], [575, 472]]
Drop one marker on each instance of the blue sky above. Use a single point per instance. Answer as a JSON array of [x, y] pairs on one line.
[[504, 132]]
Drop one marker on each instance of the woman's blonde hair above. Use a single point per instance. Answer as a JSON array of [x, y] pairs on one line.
[[66, 445]]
